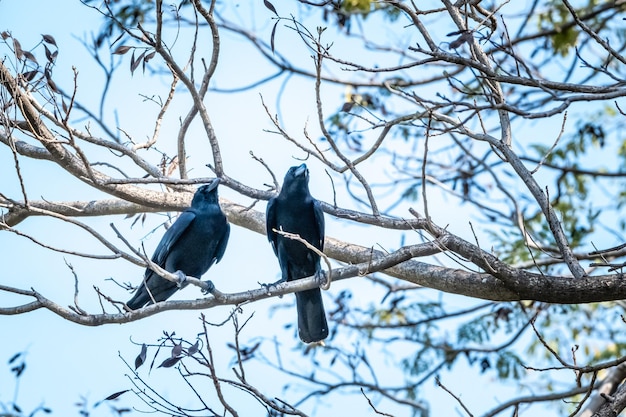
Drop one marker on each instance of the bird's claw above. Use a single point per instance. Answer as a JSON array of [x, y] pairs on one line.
[[208, 287], [267, 286], [323, 279], [182, 278]]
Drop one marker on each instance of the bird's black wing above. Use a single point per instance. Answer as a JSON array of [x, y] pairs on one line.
[[171, 236], [159, 287], [221, 246], [319, 222], [270, 224]]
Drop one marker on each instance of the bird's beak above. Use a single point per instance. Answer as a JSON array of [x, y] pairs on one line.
[[213, 184], [300, 170]]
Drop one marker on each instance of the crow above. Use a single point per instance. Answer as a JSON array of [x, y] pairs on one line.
[[294, 210], [196, 240]]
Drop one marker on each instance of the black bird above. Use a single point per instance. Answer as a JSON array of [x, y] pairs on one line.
[[189, 247], [295, 211]]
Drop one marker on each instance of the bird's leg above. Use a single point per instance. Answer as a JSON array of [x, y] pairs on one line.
[[208, 287], [182, 277]]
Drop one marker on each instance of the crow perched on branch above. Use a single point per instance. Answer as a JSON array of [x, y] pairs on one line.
[[295, 211], [189, 247]]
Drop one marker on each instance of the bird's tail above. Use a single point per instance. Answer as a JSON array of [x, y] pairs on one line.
[[312, 325]]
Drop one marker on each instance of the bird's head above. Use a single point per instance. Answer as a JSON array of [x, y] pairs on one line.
[[297, 179], [206, 193]]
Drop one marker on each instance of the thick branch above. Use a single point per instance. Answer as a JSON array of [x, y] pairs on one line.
[[606, 389], [500, 282]]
